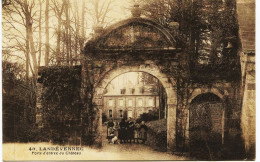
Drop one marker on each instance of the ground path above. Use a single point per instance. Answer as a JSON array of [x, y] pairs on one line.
[[21, 151], [127, 151], [137, 152]]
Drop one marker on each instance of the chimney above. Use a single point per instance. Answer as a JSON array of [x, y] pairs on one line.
[[136, 11]]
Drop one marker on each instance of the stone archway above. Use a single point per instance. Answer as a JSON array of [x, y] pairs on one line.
[[171, 103], [206, 124], [199, 91], [196, 92]]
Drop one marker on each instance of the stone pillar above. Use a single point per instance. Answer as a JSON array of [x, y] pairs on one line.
[[171, 118], [187, 127], [98, 121], [171, 127], [98, 104]]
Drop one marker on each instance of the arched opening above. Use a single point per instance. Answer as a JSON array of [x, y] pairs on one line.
[[136, 97], [206, 126], [167, 83]]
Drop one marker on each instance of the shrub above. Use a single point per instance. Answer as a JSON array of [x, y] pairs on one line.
[[150, 116]]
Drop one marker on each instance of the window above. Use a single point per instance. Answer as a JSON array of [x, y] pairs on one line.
[[150, 102], [132, 90], [130, 102], [122, 91], [121, 113], [110, 114], [139, 113], [130, 114], [141, 90], [140, 102], [110, 103], [121, 102]]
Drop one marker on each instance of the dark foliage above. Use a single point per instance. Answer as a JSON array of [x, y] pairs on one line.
[[161, 141], [61, 101], [150, 116], [208, 32], [157, 133], [18, 101]]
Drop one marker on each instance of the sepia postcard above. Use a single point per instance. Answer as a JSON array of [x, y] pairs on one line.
[[128, 80]]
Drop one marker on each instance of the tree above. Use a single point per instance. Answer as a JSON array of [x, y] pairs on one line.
[[23, 39], [77, 37], [158, 10], [99, 10], [157, 87], [47, 39], [28, 13], [40, 34], [58, 9], [24, 12], [207, 27], [82, 36], [16, 106], [61, 101], [67, 35]]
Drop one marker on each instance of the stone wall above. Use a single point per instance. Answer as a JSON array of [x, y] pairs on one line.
[[226, 91], [246, 20], [248, 117]]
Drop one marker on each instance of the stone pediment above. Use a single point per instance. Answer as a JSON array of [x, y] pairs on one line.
[[135, 33]]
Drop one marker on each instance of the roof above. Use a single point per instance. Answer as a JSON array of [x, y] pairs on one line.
[[246, 20], [139, 90]]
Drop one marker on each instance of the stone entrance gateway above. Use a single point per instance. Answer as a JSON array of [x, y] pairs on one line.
[[133, 45], [141, 45], [171, 101], [195, 90]]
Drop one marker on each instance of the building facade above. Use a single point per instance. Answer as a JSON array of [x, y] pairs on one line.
[[130, 104], [246, 20]]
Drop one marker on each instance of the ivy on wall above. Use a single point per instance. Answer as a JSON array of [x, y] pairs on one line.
[[61, 101]]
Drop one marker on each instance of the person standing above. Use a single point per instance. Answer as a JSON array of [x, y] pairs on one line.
[[130, 130], [143, 132], [122, 131], [127, 131], [136, 132], [116, 128], [110, 130]]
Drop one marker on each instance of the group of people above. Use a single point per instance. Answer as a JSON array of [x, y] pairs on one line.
[[127, 131]]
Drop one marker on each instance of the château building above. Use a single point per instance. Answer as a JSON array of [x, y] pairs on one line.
[[130, 103], [129, 96]]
